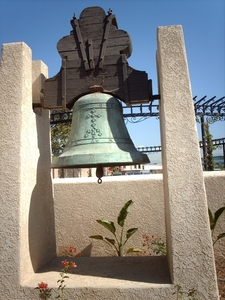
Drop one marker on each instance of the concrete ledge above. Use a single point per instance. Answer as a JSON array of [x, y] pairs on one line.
[[148, 269], [109, 278]]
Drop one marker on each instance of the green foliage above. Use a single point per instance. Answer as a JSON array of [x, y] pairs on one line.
[[159, 247], [220, 166], [107, 224], [45, 292], [208, 159], [154, 245], [59, 136], [118, 242], [191, 294], [123, 213], [213, 219]]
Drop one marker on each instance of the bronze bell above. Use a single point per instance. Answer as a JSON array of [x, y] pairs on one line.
[[98, 137]]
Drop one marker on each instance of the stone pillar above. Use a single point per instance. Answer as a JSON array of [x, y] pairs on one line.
[[190, 252], [27, 239]]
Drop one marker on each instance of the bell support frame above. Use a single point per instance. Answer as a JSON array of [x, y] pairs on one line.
[[94, 59]]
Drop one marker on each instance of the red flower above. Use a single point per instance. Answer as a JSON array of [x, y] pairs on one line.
[[72, 264], [68, 265], [43, 286], [65, 263], [146, 238], [72, 249]]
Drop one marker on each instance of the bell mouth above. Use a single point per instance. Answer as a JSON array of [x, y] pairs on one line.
[[103, 159]]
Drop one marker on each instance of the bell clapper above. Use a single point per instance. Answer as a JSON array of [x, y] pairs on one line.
[[99, 173]]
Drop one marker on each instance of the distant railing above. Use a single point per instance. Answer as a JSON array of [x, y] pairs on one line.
[[216, 142]]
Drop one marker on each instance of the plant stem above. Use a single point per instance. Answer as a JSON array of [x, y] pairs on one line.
[[121, 251], [121, 243]]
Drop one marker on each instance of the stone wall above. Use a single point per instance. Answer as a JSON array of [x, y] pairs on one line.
[[79, 202]]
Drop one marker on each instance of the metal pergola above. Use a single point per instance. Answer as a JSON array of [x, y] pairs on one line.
[[211, 108], [206, 109]]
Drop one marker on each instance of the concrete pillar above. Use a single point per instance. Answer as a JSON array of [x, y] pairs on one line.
[[190, 252], [26, 202]]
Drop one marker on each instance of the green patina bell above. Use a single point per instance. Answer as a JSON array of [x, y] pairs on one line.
[[98, 137]]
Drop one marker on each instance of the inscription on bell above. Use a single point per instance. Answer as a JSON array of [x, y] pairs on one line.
[[94, 130]]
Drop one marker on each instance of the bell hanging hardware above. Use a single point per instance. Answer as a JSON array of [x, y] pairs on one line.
[[94, 76]]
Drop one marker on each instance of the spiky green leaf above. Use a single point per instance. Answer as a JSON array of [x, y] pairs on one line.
[[123, 213], [218, 214], [132, 250], [130, 232], [108, 224], [111, 241], [220, 236], [96, 237], [211, 219]]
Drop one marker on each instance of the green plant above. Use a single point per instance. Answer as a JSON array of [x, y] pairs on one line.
[[67, 265], [208, 158], [59, 134], [208, 146], [70, 252], [119, 241], [154, 245], [220, 166], [45, 292], [213, 219], [191, 294]]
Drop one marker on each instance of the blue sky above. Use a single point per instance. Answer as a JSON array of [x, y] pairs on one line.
[[41, 23]]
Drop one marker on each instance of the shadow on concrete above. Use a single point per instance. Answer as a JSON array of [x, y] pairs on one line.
[[150, 269], [42, 242]]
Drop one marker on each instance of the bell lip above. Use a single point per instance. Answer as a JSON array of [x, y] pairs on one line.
[[62, 162]]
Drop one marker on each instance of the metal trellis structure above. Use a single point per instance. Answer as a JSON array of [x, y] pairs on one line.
[[210, 110], [213, 109]]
